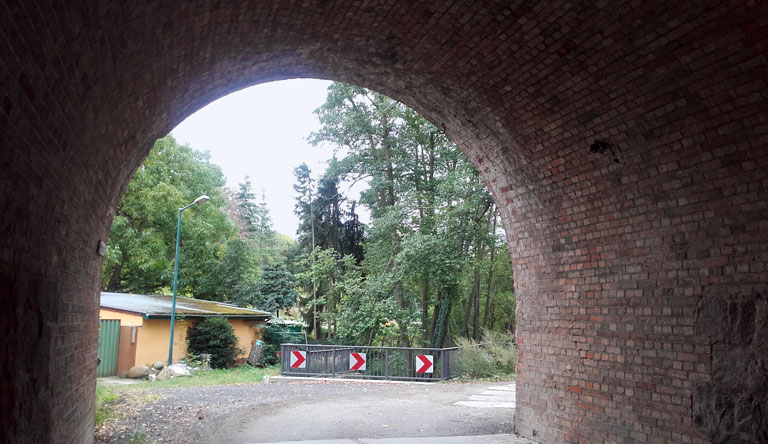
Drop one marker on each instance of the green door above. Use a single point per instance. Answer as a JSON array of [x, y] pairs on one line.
[[109, 340]]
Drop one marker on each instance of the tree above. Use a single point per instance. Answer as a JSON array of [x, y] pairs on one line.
[[276, 289], [432, 235], [238, 271], [141, 247], [247, 208], [256, 224], [366, 124]]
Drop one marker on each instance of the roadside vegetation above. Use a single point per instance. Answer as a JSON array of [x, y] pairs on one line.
[[105, 405], [244, 374], [215, 338], [495, 357]]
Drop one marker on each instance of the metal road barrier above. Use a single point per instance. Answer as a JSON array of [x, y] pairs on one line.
[[392, 363]]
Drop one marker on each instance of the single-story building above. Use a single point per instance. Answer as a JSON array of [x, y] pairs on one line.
[[145, 327]]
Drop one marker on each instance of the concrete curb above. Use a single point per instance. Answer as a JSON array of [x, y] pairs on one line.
[[296, 379], [477, 439]]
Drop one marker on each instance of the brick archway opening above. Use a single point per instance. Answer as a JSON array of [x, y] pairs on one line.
[[624, 144]]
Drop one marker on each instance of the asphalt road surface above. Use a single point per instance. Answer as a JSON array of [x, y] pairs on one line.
[[319, 410], [370, 410]]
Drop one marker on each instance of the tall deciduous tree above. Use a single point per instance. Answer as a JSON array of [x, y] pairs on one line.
[[431, 238], [216, 262], [142, 240]]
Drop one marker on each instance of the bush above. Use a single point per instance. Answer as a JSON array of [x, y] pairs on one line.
[[496, 356], [474, 361], [274, 335], [215, 337], [503, 351]]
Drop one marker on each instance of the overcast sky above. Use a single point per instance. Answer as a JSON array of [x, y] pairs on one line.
[[261, 132]]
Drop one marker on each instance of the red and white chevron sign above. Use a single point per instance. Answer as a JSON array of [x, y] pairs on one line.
[[425, 364], [357, 361], [298, 359]]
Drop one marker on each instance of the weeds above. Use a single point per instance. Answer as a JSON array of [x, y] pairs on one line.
[[495, 357], [136, 437], [105, 405]]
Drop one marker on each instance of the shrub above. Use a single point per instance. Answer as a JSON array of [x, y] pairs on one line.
[[474, 361], [273, 335], [502, 349], [496, 356], [215, 337]]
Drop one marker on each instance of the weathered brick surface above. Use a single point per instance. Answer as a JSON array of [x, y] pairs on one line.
[[638, 263]]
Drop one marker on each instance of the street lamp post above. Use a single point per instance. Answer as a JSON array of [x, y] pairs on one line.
[[200, 199]]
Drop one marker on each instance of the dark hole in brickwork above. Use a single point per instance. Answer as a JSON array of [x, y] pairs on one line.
[[603, 147], [731, 408]]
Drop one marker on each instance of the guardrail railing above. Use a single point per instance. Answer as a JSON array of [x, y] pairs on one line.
[[393, 363]]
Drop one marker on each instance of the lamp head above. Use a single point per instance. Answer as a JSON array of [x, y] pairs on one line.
[[201, 199]]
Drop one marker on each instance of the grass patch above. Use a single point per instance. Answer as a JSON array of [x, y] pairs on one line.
[[136, 437], [105, 405], [231, 376]]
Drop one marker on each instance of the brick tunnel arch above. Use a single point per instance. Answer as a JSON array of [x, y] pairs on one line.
[[624, 143]]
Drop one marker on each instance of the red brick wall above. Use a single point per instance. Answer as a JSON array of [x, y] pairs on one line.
[[640, 270]]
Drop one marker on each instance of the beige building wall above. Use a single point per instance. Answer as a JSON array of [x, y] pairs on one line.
[[246, 332], [154, 340], [126, 318], [153, 337]]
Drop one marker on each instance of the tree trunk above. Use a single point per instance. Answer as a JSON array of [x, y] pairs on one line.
[[476, 318], [472, 307], [490, 272], [114, 279], [435, 313], [390, 202], [474, 294], [441, 327], [425, 308], [468, 311]]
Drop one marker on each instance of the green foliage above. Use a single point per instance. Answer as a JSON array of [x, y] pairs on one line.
[[430, 266], [496, 356], [105, 405], [275, 289], [502, 349], [142, 240], [273, 335], [136, 437], [474, 361], [256, 223], [238, 270], [272, 340], [224, 242], [215, 337]]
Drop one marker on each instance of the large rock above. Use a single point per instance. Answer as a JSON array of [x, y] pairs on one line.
[[254, 357], [178, 370], [159, 365], [137, 372], [164, 374]]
